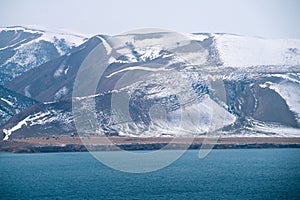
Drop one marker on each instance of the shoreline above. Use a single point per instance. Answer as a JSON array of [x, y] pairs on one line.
[[75, 144]]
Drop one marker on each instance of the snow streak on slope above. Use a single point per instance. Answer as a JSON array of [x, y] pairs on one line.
[[41, 119]]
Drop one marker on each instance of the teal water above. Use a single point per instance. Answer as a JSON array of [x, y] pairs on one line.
[[223, 174]]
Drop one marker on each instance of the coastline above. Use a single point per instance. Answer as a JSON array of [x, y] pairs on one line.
[[75, 144]]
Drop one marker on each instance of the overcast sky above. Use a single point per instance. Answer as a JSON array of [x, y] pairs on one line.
[[264, 18]]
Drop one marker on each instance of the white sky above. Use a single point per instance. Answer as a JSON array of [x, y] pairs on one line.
[[264, 18]]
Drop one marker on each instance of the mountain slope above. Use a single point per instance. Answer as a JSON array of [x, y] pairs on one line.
[[53, 80], [12, 103], [41, 120], [22, 49]]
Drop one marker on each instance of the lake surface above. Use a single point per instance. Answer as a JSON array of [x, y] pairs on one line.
[[223, 174]]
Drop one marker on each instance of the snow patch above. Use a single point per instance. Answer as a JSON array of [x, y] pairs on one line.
[[265, 85], [27, 92], [40, 118], [66, 70], [197, 37], [149, 53], [19, 125], [61, 93], [61, 70], [106, 45], [136, 68], [8, 102]]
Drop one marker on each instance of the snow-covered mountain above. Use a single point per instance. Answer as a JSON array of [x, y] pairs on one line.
[[22, 49], [261, 80], [53, 80]]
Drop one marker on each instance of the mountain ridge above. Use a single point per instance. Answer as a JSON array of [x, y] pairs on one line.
[[254, 71]]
